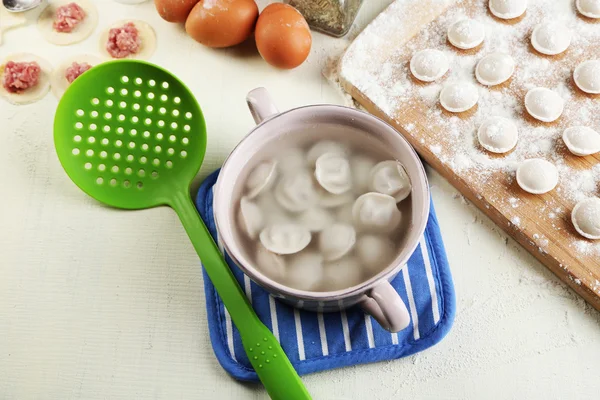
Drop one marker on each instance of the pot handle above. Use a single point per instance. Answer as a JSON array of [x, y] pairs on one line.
[[385, 305], [261, 105]]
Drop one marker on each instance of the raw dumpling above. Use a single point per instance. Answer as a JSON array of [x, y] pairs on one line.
[[376, 212], [459, 97], [336, 241], [508, 9], [537, 176], [498, 135], [341, 274], [375, 252], [466, 34], [586, 218], [587, 76], [305, 271], [250, 218], [581, 140], [551, 38], [315, 219], [589, 8], [360, 166], [325, 146], [285, 238], [75, 23], [296, 192], [429, 65], [389, 177], [271, 264], [261, 178], [544, 104], [128, 39], [59, 79], [494, 69], [33, 93], [332, 171], [291, 160]]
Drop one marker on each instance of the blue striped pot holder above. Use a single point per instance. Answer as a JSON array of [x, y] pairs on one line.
[[315, 341]]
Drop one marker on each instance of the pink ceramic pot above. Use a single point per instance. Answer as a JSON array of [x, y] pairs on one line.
[[376, 296]]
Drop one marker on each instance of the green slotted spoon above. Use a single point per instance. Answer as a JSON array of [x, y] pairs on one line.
[[131, 135]]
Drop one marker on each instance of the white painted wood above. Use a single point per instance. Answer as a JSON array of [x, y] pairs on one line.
[[103, 304]]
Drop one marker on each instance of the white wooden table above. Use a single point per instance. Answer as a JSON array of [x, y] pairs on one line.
[[97, 303]]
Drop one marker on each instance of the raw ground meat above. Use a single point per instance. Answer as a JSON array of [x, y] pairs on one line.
[[75, 70], [68, 17], [19, 76], [123, 41]]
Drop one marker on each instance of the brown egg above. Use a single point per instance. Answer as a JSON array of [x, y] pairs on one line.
[[222, 23], [282, 36], [174, 10]]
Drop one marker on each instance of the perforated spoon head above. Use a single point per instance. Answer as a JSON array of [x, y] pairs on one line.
[[130, 134]]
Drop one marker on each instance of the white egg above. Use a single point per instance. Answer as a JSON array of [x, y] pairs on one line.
[[250, 218], [537, 176], [494, 69], [587, 76], [581, 140], [332, 171], [376, 212], [589, 8], [296, 192], [466, 33], [429, 65], [390, 177], [291, 160], [544, 104], [459, 97], [508, 9], [271, 264], [305, 271], [315, 219], [341, 274], [498, 135], [285, 238], [360, 166], [261, 178], [375, 252], [336, 241], [551, 38], [322, 147], [586, 218]]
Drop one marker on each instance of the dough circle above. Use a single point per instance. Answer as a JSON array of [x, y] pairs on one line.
[[498, 135], [459, 97], [589, 8], [429, 65], [508, 9], [146, 33], [587, 76], [81, 31], [466, 34], [10, 20], [58, 83], [586, 218], [494, 69], [35, 93], [544, 104], [537, 176], [581, 140], [551, 38]]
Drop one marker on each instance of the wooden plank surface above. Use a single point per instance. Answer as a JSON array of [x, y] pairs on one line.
[[374, 70]]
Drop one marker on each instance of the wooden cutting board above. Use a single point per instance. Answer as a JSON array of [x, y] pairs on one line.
[[374, 70]]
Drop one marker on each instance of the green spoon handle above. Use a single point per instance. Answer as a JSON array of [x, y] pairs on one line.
[[264, 352]]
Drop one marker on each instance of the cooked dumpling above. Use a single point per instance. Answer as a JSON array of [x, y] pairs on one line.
[[376, 212], [332, 171], [296, 192], [250, 218], [325, 146], [261, 178], [285, 238], [336, 241], [389, 177], [361, 166], [344, 213], [375, 252], [305, 271], [291, 160], [341, 274], [271, 264], [330, 200], [274, 214], [315, 219]]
